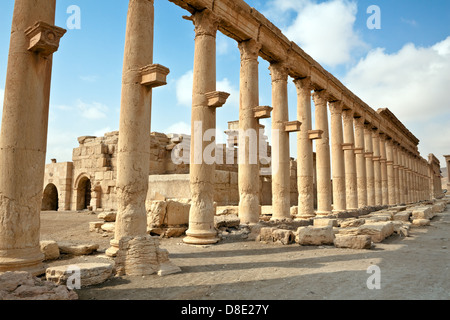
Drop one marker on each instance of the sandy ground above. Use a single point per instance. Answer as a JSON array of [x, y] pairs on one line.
[[416, 267]]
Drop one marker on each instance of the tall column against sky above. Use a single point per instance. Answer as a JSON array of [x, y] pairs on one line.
[[383, 164], [360, 162], [377, 166], [391, 198], [368, 144], [305, 165], [23, 140], [351, 181], [205, 100], [337, 153], [133, 155], [323, 161], [248, 174], [280, 143], [402, 175]]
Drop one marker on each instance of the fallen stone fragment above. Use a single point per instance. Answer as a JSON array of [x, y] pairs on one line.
[[311, 235], [353, 241], [108, 227], [422, 213], [325, 222], [50, 249], [351, 223], [81, 274], [95, 226], [109, 216], [227, 220], [402, 216], [421, 222], [77, 249]]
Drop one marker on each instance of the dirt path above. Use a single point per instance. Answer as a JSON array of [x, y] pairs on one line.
[[416, 267]]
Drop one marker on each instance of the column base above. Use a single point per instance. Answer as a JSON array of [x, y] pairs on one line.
[[323, 213], [29, 260], [199, 237]]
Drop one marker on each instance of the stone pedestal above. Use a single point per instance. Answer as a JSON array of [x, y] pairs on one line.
[[323, 167], [23, 137], [305, 165], [281, 202], [248, 174]]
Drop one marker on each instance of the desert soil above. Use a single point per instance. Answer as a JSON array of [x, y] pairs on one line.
[[415, 267]]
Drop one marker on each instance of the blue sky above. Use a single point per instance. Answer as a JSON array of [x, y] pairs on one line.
[[404, 66]]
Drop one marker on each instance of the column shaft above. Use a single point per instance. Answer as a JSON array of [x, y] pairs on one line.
[[248, 174], [337, 153], [23, 137], [203, 118], [305, 165], [351, 184], [361, 176], [377, 167], [368, 144], [323, 169], [281, 202], [384, 175], [390, 172], [396, 167]]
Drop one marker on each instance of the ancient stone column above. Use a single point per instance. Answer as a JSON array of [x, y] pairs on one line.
[[23, 140], [377, 167], [248, 174], [361, 177], [305, 165], [351, 184], [383, 164], [368, 144], [402, 175], [408, 178], [447, 161], [323, 161], [396, 172], [392, 200], [202, 171], [133, 155], [280, 143], [337, 153]]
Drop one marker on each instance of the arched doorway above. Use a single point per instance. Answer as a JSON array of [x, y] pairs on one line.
[[50, 198], [83, 193]]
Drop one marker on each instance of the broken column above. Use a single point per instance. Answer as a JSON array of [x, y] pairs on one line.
[[205, 100], [133, 157], [280, 143], [34, 39], [305, 165], [323, 169], [248, 172], [338, 169]]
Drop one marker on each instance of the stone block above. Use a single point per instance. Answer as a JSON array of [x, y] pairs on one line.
[[283, 236], [78, 249], [96, 226], [378, 231], [108, 216], [402, 216], [353, 241], [421, 222], [227, 220], [351, 223], [50, 249], [177, 212], [89, 274], [423, 213], [311, 235], [325, 222], [108, 227]]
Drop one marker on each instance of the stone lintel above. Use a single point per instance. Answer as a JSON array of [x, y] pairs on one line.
[[262, 112], [44, 38], [216, 99], [315, 134], [292, 126], [154, 75]]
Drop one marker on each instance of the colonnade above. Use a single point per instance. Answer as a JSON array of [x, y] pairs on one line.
[[363, 157]]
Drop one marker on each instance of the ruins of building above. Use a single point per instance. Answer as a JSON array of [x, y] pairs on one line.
[[369, 155]]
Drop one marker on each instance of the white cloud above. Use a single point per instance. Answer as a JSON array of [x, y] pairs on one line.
[[324, 30], [226, 86], [92, 111], [412, 82], [180, 127]]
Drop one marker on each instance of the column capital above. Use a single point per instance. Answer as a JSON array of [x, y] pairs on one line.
[[320, 97], [205, 22], [359, 122], [249, 49], [303, 84], [348, 114], [336, 107], [279, 71]]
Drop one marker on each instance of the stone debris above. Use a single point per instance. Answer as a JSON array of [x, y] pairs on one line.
[[82, 274], [227, 220], [50, 249], [353, 241], [107, 216], [21, 285], [78, 249], [311, 235]]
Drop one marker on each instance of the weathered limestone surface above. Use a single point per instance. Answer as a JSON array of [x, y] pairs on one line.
[[89, 273], [77, 249], [50, 249], [378, 231], [353, 241], [310, 235], [21, 285]]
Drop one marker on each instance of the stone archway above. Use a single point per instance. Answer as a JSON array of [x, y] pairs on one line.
[[50, 198], [83, 193]]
